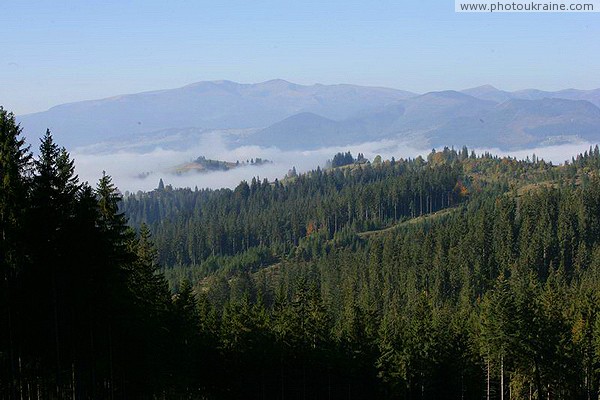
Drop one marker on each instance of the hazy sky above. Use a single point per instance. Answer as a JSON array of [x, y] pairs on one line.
[[60, 51]]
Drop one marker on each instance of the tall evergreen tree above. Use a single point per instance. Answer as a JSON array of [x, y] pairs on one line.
[[14, 168]]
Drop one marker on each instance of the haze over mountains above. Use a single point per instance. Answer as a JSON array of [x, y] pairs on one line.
[[297, 117], [205, 105]]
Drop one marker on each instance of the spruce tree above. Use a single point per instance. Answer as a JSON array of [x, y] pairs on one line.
[[14, 167]]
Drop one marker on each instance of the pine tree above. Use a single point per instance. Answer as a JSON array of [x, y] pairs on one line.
[[51, 273], [498, 332], [15, 161], [14, 165]]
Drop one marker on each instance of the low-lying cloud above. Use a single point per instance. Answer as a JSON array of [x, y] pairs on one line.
[[133, 171]]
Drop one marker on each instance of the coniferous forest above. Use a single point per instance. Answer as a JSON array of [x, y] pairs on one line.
[[454, 276]]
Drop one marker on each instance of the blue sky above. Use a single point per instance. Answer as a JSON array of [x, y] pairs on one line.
[[61, 51]]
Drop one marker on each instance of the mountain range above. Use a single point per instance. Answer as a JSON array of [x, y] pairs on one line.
[[291, 116]]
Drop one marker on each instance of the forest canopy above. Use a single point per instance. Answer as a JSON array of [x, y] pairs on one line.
[[451, 276]]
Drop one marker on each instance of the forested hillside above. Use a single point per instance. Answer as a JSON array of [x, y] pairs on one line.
[[454, 276], [457, 276], [191, 225]]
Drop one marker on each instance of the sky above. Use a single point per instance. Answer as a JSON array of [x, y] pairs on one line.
[[55, 52]]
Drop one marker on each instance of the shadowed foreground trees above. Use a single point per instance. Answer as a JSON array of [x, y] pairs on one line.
[[83, 310]]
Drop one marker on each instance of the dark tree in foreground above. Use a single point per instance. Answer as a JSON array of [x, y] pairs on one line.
[[84, 311], [14, 172]]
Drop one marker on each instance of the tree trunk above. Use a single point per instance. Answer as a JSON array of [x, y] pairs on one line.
[[502, 377], [73, 380], [538, 381], [56, 334], [488, 380]]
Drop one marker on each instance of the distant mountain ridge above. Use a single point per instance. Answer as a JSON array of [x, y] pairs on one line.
[[291, 116], [206, 105], [488, 92], [444, 119]]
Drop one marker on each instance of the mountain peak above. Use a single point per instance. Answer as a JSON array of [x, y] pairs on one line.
[[219, 83], [226, 82], [277, 84], [445, 94], [276, 81], [488, 92], [486, 88]]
